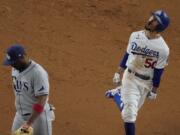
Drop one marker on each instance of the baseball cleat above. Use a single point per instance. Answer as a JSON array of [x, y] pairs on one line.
[[116, 95], [111, 93], [118, 100]]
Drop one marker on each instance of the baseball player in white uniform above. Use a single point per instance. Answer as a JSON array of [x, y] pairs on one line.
[[141, 69], [31, 89]]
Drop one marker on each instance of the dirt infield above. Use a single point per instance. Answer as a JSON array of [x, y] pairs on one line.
[[80, 43]]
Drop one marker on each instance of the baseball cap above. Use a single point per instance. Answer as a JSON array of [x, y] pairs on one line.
[[14, 52]]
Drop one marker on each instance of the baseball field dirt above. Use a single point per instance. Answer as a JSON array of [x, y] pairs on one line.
[[80, 43]]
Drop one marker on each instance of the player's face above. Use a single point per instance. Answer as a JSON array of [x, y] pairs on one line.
[[151, 24], [21, 63], [17, 64]]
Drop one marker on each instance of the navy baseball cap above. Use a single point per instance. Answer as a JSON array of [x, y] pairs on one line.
[[13, 53]]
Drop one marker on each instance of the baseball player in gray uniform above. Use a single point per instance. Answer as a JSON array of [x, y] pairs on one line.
[[31, 89]]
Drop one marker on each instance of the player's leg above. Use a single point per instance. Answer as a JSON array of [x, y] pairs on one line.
[[115, 94], [130, 97], [43, 124], [118, 100], [129, 112], [144, 93], [17, 123]]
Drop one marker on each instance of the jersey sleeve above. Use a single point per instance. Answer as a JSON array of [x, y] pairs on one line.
[[162, 60], [41, 83], [129, 43]]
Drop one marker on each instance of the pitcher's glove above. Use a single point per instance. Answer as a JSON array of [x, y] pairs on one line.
[[21, 132]]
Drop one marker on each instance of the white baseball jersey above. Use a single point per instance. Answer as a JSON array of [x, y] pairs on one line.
[[28, 84], [146, 54]]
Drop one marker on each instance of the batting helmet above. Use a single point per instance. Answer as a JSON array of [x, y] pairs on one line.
[[163, 20]]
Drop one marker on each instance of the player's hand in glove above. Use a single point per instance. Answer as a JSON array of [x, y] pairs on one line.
[[116, 79], [25, 129], [151, 95]]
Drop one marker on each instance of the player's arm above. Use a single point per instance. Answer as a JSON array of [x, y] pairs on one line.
[[159, 69], [122, 66], [156, 82], [157, 79], [38, 108], [158, 72], [41, 92]]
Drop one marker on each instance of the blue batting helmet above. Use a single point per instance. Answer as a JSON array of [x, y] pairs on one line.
[[162, 18]]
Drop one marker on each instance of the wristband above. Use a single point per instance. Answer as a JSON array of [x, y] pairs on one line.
[[38, 108]]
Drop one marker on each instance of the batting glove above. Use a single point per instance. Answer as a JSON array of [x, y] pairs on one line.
[[116, 78], [151, 95]]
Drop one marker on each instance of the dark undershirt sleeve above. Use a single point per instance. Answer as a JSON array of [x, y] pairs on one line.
[[157, 76], [124, 60]]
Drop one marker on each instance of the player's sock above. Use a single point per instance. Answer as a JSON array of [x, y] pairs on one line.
[[129, 128], [118, 101]]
